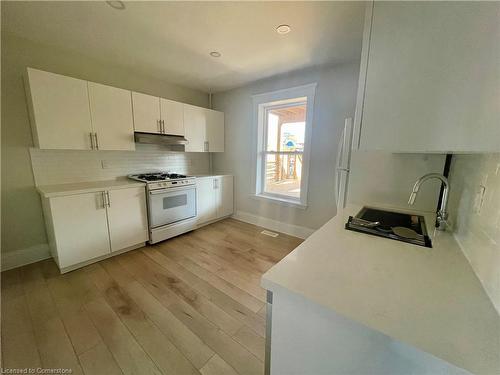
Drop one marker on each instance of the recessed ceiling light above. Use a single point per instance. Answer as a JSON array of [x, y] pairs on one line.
[[283, 29], [215, 54], [116, 4]]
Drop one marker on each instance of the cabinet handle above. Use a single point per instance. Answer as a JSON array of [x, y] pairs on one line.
[[91, 141], [206, 146], [159, 125], [103, 196], [109, 200], [163, 126], [96, 142]]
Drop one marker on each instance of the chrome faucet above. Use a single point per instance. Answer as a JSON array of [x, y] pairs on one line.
[[442, 214]]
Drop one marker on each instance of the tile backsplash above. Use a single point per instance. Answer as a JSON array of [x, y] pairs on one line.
[[474, 207], [68, 166]]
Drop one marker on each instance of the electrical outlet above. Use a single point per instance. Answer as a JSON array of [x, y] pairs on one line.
[[104, 164]]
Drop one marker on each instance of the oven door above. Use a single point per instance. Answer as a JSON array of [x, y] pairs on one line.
[[167, 206]]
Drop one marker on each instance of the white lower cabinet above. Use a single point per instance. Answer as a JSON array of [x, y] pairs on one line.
[[80, 227], [224, 196], [205, 200], [127, 217], [214, 198], [88, 226]]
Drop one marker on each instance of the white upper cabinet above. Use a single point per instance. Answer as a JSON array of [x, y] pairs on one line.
[[147, 117], [59, 110], [215, 130], [69, 113], [204, 129], [195, 128], [429, 79], [172, 116], [111, 112]]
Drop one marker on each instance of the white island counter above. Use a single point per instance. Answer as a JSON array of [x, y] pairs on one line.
[[373, 300]]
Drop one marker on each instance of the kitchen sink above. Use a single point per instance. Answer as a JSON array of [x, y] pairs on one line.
[[397, 226]]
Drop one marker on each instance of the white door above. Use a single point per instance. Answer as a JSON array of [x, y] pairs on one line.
[[127, 217], [172, 115], [215, 130], [112, 122], [195, 127], [206, 200], [80, 227], [224, 195], [60, 111], [146, 113]]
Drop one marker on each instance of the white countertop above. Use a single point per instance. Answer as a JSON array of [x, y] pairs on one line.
[[49, 191], [211, 175], [428, 298]]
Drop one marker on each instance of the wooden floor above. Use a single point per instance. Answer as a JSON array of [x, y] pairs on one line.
[[189, 305]]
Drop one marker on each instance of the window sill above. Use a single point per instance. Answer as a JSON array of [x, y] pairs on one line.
[[282, 201]]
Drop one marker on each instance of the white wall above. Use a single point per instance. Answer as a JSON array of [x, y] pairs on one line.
[[67, 166], [476, 224], [334, 101], [386, 178], [21, 210]]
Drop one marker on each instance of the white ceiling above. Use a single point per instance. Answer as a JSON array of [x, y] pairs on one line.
[[172, 40]]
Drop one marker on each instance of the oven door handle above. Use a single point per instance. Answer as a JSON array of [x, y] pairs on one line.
[[172, 190]]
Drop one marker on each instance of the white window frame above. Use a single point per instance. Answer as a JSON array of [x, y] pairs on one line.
[[260, 104]]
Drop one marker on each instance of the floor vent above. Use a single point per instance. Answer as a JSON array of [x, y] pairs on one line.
[[269, 233]]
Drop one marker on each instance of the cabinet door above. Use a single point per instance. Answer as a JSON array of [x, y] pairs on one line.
[[195, 125], [111, 112], [432, 78], [80, 227], [127, 217], [172, 115], [59, 109], [146, 113], [224, 195], [215, 130], [205, 200]]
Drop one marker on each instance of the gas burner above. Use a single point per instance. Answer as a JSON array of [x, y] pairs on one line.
[[174, 176], [159, 176]]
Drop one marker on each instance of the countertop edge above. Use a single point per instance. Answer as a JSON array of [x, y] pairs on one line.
[[212, 175], [59, 190]]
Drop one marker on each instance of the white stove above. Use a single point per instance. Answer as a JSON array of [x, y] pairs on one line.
[[171, 204]]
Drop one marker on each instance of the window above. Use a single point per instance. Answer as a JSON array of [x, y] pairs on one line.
[[284, 122]]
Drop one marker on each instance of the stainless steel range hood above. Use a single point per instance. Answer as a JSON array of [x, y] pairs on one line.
[[176, 142]]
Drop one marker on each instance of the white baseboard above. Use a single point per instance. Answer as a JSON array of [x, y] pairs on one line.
[[278, 226], [22, 257]]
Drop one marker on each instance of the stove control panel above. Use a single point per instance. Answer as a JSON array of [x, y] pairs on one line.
[[171, 183]]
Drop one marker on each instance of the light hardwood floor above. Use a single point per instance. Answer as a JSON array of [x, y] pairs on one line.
[[189, 305]]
